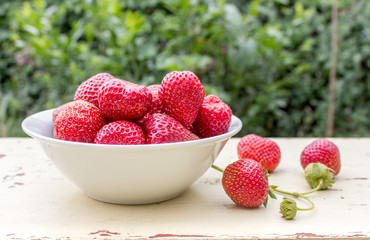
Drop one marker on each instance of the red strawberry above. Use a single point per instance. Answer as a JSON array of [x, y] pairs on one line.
[[57, 110], [323, 151], [120, 132], [141, 121], [156, 101], [160, 128], [245, 182], [214, 117], [88, 90], [119, 100], [262, 150], [78, 121], [127, 83], [182, 95]]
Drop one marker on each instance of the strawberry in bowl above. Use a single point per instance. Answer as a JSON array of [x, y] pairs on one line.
[[125, 153]]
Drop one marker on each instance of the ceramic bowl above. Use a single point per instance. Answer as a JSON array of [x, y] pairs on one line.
[[128, 174]]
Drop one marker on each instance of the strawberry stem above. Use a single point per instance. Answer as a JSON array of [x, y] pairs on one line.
[[217, 168], [316, 188], [274, 189], [308, 200], [288, 207], [297, 195]]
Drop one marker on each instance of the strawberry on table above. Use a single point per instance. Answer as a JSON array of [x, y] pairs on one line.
[[161, 128], [262, 150], [245, 182], [120, 133], [88, 90], [78, 121], [214, 117], [120, 100], [319, 176], [182, 95], [323, 151]]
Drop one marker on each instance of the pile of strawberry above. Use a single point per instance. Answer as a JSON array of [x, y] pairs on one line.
[[108, 110], [245, 181]]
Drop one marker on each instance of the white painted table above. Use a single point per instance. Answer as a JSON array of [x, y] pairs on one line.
[[37, 202]]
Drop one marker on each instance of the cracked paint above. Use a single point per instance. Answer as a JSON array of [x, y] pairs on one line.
[[166, 235], [104, 233]]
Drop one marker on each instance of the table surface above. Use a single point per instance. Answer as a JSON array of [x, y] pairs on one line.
[[37, 202]]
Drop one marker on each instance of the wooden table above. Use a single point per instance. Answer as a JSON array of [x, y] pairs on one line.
[[37, 202]]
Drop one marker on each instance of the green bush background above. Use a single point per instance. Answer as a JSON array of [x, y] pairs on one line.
[[269, 60]]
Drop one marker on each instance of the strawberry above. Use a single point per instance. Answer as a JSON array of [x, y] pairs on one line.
[[156, 101], [213, 119], [323, 151], [120, 100], [245, 182], [88, 90], [57, 110], [262, 150], [160, 128], [182, 95], [141, 121], [127, 83], [78, 121], [120, 132]]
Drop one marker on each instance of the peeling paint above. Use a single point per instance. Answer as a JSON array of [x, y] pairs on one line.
[[16, 184], [39, 238], [11, 177], [166, 235], [104, 233], [359, 204], [357, 178], [305, 235], [308, 235], [360, 178], [358, 234]]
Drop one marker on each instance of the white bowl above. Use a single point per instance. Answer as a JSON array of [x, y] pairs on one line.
[[128, 174]]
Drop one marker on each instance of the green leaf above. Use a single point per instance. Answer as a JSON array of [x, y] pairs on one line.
[[272, 194]]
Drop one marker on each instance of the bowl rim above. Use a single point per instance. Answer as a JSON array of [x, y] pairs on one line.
[[234, 128]]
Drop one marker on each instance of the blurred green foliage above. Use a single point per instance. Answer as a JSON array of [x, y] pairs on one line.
[[269, 60]]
